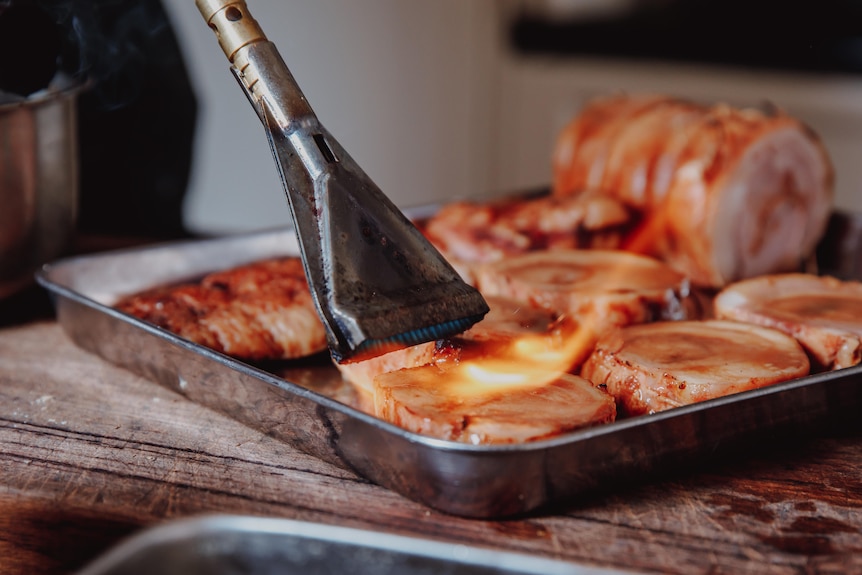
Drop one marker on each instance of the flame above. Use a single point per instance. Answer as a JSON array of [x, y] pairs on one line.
[[529, 360], [496, 373], [492, 376], [533, 360]]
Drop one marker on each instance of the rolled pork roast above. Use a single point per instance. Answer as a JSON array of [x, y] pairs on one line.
[[722, 193]]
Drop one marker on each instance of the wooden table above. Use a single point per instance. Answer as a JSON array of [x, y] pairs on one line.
[[90, 453]]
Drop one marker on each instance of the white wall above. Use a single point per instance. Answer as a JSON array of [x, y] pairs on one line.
[[403, 85]]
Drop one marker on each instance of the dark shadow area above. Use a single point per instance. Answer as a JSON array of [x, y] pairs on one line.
[[765, 34]]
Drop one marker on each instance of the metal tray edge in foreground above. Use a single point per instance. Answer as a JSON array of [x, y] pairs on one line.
[[228, 544], [460, 479]]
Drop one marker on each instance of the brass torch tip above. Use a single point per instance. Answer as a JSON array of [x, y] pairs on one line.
[[233, 24]]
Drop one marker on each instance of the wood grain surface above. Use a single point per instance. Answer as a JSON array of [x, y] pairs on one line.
[[90, 453]]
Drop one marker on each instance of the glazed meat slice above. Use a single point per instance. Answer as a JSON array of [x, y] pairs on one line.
[[258, 311], [270, 304], [508, 330], [823, 313], [507, 408], [471, 233], [722, 193], [361, 374], [653, 367], [600, 289], [177, 309]]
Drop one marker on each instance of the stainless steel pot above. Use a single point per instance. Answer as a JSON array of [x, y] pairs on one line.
[[38, 183]]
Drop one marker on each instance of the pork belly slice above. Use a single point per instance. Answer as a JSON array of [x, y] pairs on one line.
[[823, 313], [442, 403], [600, 289], [259, 311], [509, 328], [723, 193], [653, 367], [471, 233]]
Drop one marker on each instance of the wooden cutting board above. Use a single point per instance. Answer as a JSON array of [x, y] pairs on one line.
[[90, 453]]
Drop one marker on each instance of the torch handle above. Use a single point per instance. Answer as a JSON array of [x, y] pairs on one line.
[[256, 64], [234, 26]]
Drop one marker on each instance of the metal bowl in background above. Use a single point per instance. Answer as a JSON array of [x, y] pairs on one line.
[[38, 182]]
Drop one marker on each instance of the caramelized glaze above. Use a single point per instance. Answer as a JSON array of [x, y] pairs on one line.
[[434, 401], [653, 367], [258, 311], [601, 289]]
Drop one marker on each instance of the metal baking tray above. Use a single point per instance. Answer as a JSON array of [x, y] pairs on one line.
[[241, 545], [306, 404]]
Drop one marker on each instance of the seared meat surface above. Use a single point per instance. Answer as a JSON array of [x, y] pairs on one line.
[[654, 367], [258, 311], [504, 380], [442, 403], [600, 289], [472, 233]]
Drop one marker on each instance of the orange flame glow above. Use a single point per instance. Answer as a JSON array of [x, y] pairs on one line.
[[530, 360]]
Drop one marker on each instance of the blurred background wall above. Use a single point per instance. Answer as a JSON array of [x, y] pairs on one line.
[[405, 86], [439, 99]]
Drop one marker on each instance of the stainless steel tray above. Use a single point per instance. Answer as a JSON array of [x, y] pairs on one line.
[[305, 404], [241, 545]]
